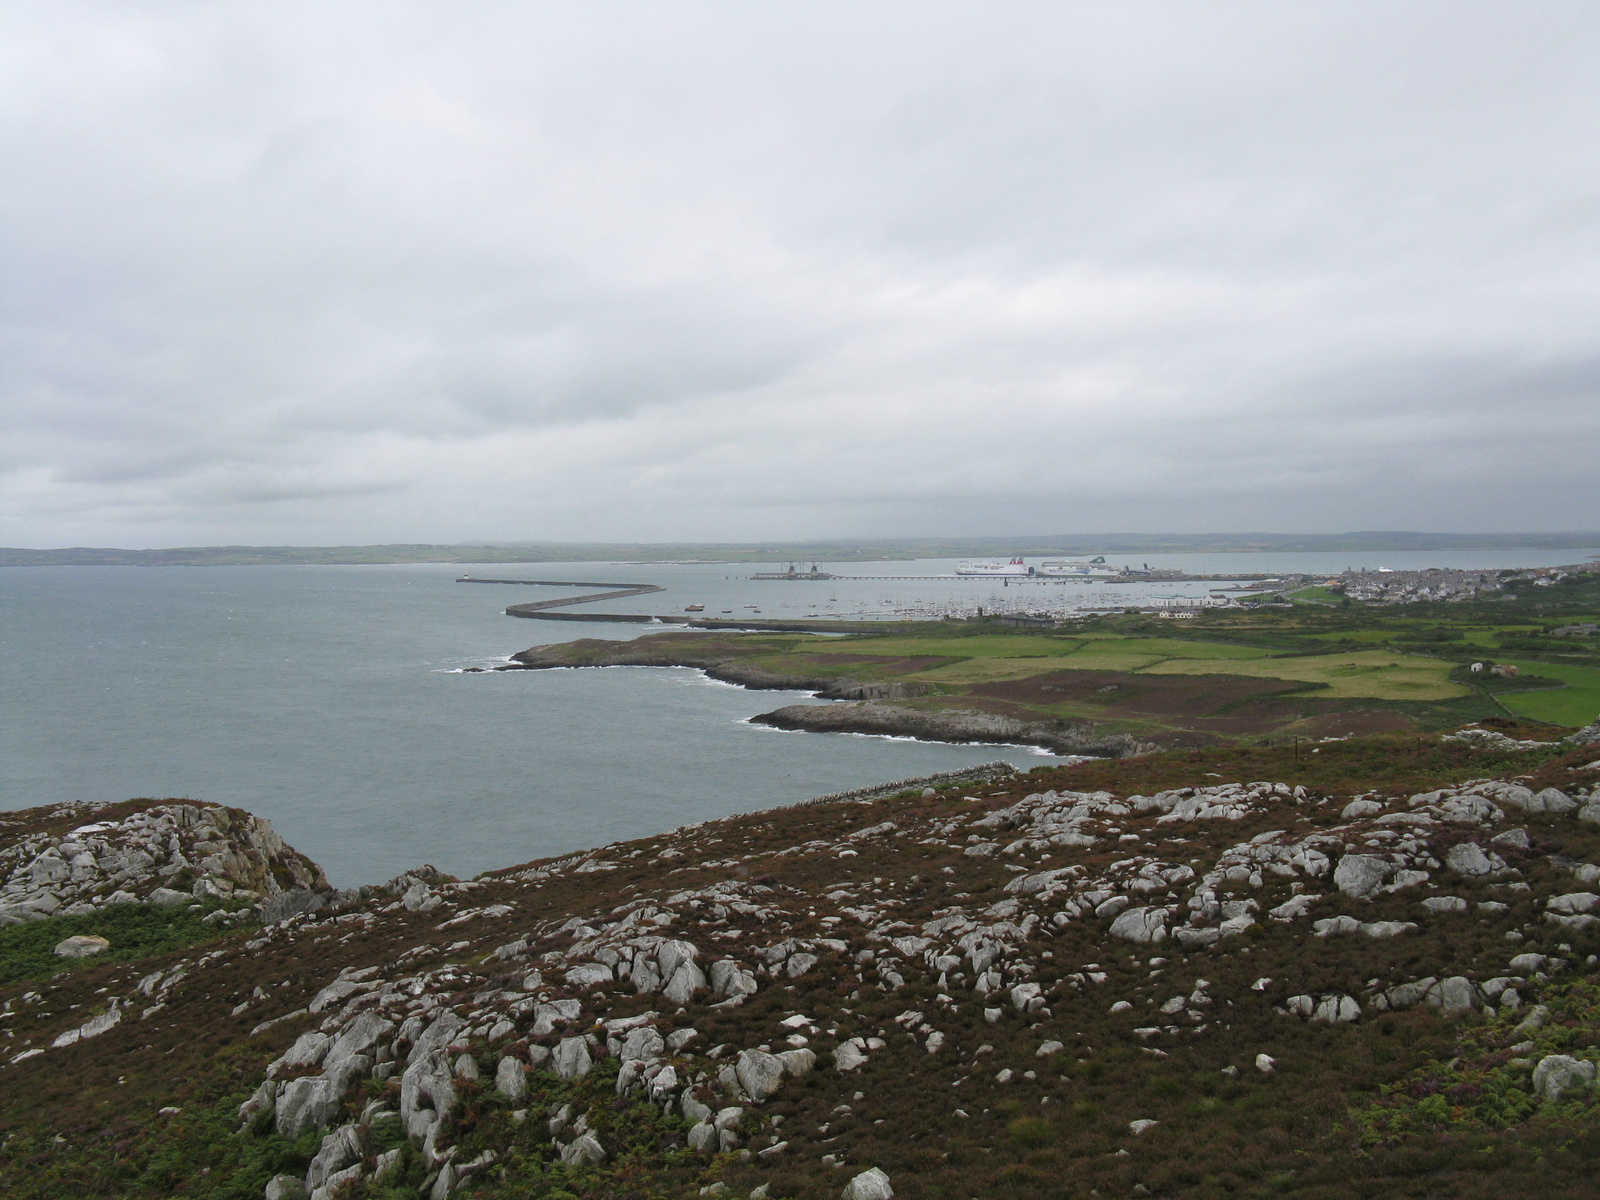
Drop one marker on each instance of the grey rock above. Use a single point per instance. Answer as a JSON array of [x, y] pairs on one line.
[[558, 1012], [693, 1111], [760, 1074], [1440, 905], [1360, 808], [467, 1068], [1191, 939], [588, 975], [1468, 858], [1573, 902], [336, 1181], [799, 964], [1337, 1010], [360, 1036], [509, 1079], [571, 1058], [1107, 909], [686, 980], [538, 1056], [1516, 839], [1558, 1074], [164, 897], [848, 1056], [1453, 995], [1360, 875], [81, 946], [584, 1151], [703, 1137], [427, 1093], [728, 978], [670, 955], [680, 1038], [869, 1185], [285, 1187], [797, 1062], [309, 1102], [1556, 801], [728, 1118], [439, 1035], [309, 1050], [1141, 925], [340, 1148], [1527, 964], [281, 907]]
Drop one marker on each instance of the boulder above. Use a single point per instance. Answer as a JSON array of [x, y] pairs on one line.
[[164, 897], [672, 954], [1141, 925], [686, 980], [869, 1185], [1360, 875], [1440, 905], [1558, 1074], [306, 1103], [571, 1058], [1360, 808], [1556, 801], [759, 1074], [1468, 858], [285, 1187], [1138, 1127], [340, 1148], [360, 1036], [848, 1056], [509, 1079], [641, 1045], [427, 1093], [82, 946], [703, 1137], [585, 1151], [1453, 995], [796, 1062], [588, 975], [1572, 902]]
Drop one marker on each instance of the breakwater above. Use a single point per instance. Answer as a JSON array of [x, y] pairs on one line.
[[615, 591]]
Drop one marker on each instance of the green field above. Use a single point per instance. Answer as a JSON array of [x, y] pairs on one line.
[[1576, 704]]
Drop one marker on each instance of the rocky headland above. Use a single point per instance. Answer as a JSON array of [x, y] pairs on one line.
[[1179, 974]]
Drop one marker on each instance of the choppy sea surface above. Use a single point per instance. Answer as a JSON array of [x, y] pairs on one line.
[[335, 701]]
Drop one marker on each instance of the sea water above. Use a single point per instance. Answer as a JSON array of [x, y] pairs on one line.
[[337, 702]]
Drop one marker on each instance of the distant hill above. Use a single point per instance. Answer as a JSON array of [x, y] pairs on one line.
[[844, 550]]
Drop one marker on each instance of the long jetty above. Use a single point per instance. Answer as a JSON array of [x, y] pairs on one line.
[[616, 591]]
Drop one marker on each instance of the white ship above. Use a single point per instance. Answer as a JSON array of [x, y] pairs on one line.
[[992, 566], [1078, 568]]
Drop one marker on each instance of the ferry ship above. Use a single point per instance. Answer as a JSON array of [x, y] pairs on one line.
[[1078, 568], [992, 566]]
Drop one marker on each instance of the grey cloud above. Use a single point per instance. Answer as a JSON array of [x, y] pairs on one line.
[[348, 272]]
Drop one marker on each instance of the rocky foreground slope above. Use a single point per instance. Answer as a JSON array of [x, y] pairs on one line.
[[1197, 974]]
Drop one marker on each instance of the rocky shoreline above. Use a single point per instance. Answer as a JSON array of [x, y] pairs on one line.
[[865, 714], [951, 725]]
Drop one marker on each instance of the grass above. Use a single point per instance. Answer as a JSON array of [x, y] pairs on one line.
[[134, 931], [1375, 674], [1576, 704]]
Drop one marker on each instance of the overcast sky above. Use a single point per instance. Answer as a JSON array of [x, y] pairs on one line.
[[362, 272]]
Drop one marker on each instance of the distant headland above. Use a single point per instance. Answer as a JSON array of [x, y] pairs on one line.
[[840, 550]]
